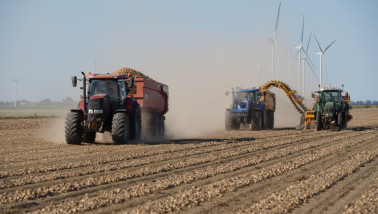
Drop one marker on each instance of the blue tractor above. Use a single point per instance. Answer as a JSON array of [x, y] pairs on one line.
[[250, 106]]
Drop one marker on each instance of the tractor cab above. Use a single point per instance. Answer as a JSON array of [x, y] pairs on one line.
[[113, 86], [331, 108], [243, 98]]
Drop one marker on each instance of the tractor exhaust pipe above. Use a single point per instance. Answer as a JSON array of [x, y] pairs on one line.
[[84, 95]]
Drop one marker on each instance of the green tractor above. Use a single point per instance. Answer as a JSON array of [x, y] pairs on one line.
[[331, 108]]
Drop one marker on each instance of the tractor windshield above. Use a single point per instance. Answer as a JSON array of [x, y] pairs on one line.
[[104, 86], [241, 96], [245, 96], [330, 96]]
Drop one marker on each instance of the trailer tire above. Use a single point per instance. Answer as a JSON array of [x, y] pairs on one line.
[[264, 120], [161, 127], [319, 124], [256, 120], [89, 137], [135, 123], [230, 121], [120, 128], [73, 129], [270, 120]]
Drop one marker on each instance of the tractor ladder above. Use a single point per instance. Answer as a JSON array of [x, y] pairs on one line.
[[295, 99]]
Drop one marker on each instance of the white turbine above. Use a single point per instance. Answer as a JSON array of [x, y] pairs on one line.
[[274, 40], [301, 61], [321, 54], [15, 91]]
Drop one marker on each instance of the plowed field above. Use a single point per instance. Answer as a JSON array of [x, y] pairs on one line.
[[275, 171]]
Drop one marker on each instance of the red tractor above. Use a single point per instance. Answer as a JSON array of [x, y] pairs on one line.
[[114, 104]]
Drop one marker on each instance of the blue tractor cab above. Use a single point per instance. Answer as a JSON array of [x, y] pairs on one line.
[[242, 98], [248, 107]]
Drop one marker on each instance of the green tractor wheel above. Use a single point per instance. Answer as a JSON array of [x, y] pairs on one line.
[[341, 120], [319, 124]]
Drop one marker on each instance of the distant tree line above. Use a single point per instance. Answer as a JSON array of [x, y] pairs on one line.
[[367, 102], [66, 102]]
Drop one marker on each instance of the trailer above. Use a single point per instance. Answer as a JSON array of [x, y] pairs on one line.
[[152, 98]]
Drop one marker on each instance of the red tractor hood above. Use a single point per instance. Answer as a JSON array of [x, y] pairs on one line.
[[99, 96]]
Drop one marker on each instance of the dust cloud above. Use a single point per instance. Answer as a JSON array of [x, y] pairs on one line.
[[197, 85], [198, 82], [198, 79], [53, 130], [285, 116]]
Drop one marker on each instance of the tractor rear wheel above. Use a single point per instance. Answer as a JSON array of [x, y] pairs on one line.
[[341, 120], [121, 128], [89, 137], [136, 123], [256, 120], [73, 129], [319, 124], [230, 121]]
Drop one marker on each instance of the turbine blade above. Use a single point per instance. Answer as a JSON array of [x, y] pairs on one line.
[[302, 30], [307, 57], [308, 44], [329, 46], [313, 72], [278, 17], [298, 51], [319, 44], [280, 51]]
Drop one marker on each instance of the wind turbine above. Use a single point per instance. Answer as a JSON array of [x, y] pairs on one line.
[[302, 60], [15, 91], [321, 54], [274, 40]]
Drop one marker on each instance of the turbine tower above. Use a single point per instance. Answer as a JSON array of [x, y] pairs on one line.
[[302, 59], [15, 91], [321, 54], [274, 40]]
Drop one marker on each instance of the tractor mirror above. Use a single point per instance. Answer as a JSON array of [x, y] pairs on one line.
[[74, 81], [130, 83], [226, 93]]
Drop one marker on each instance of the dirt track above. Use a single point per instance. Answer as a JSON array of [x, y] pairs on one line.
[[228, 172]]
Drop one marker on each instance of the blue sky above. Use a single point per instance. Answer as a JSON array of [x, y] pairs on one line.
[[44, 43]]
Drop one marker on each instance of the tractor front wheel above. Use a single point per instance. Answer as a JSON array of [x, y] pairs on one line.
[[73, 129], [120, 128], [230, 121], [319, 124], [256, 120]]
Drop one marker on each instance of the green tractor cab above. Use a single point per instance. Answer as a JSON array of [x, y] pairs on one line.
[[331, 108]]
